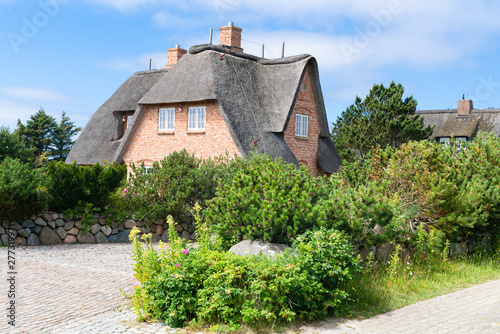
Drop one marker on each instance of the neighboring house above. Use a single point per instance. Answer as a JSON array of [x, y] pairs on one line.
[[462, 123], [212, 101]]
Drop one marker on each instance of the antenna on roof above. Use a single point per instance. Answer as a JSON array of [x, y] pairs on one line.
[[150, 60], [263, 46], [211, 34], [283, 50], [463, 96]]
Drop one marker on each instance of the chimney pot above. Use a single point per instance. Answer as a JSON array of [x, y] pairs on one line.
[[174, 54]]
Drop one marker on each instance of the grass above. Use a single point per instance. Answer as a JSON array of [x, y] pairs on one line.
[[379, 289]]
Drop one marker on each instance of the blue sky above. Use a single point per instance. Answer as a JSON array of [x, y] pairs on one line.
[[71, 55]]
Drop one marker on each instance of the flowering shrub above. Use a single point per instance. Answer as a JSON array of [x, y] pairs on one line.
[[179, 284]]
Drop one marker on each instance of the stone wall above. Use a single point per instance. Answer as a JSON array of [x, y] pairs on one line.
[[50, 228]]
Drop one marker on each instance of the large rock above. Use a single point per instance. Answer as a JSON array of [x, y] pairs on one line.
[[39, 221], [2, 230], [20, 242], [121, 237], [95, 228], [37, 229], [70, 239], [28, 223], [186, 235], [86, 238], [256, 247], [74, 231], [47, 217], [33, 240], [130, 224], [164, 236], [106, 230], [49, 237], [15, 226], [78, 224], [52, 224], [69, 225], [61, 232], [5, 239], [24, 232], [159, 229], [59, 222], [100, 238], [54, 215], [155, 238], [146, 229]]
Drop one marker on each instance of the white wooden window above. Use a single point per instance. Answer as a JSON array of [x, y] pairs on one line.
[[301, 125], [196, 118], [166, 119]]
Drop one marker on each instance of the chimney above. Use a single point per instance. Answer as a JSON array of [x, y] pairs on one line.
[[464, 107], [230, 36], [174, 55]]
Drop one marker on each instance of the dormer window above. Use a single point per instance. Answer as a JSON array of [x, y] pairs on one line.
[[301, 125]]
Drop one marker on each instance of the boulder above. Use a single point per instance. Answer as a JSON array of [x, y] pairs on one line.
[[458, 249], [114, 224], [85, 238], [159, 229], [186, 235], [37, 229], [130, 224], [47, 217], [190, 228], [256, 247], [164, 236], [49, 237], [78, 224], [20, 242], [114, 231], [61, 232], [70, 239], [39, 221], [121, 237], [121, 226], [28, 223], [146, 229], [5, 239], [100, 238], [178, 228], [102, 221], [184, 226], [52, 224], [15, 226], [33, 240], [106, 230], [74, 231], [69, 225], [59, 222], [54, 215], [365, 253], [24, 232], [155, 238], [2, 230], [153, 228], [95, 228]]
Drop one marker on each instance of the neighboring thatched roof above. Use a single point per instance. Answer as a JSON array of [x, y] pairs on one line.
[[448, 123], [255, 97]]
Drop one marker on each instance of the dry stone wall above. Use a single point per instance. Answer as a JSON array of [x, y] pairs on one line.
[[51, 228]]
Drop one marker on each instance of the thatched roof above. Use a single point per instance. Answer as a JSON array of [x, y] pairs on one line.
[[255, 97], [448, 123]]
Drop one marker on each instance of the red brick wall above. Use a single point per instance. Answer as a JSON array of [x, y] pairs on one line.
[[149, 145], [305, 149], [231, 36], [174, 55]]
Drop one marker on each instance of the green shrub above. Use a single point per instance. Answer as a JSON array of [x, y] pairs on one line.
[[70, 185], [20, 194], [212, 286], [172, 186], [267, 199]]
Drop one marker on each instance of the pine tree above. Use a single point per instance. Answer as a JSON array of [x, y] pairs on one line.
[[382, 119], [11, 145], [62, 138], [38, 132]]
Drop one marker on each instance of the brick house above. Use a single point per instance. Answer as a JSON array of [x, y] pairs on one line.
[[214, 100], [462, 123]]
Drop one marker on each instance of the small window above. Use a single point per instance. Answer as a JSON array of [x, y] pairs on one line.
[[166, 119], [196, 118], [301, 125]]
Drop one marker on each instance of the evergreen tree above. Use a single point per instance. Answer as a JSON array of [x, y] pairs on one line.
[[11, 145], [62, 138], [38, 132], [383, 119]]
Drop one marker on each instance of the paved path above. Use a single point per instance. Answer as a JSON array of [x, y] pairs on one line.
[[75, 289]]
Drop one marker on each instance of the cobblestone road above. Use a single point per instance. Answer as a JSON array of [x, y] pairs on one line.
[[75, 289]]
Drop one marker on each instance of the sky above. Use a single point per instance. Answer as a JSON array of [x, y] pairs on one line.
[[71, 55]]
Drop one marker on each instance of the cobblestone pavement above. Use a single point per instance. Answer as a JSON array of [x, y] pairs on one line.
[[75, 289]]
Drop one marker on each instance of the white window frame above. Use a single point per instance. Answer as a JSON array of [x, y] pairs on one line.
[[301, 125], [197, 118], [166, 119]]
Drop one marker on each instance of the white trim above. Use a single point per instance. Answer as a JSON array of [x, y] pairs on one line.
[[301, 125], [166, 119], [197, 118]]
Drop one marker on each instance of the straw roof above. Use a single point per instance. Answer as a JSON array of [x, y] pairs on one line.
[[448, 123], [255, 96]]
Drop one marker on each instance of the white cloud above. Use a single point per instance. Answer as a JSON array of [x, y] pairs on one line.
[[33, 93], [121, 4]]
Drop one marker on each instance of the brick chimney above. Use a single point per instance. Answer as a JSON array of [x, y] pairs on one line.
[[174, 55], [230, 36], [464, 107]]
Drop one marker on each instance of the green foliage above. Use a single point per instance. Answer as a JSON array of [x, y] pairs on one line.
[[382, 119], [38, 132], [62, 138], [20, 194], [172, 185], [70, 184], [179, 284], [11, 145], [267, 199]]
